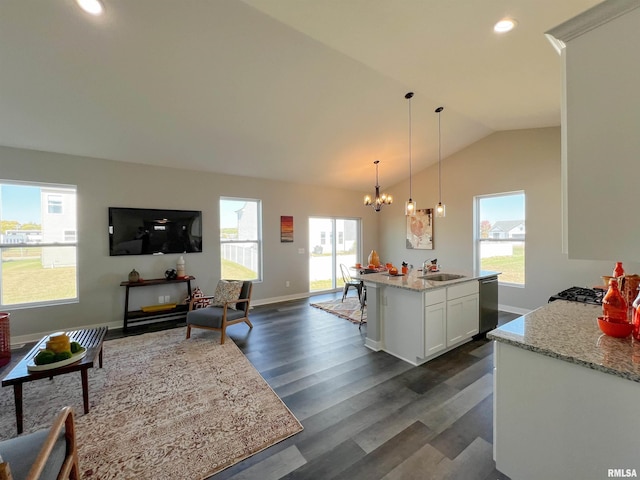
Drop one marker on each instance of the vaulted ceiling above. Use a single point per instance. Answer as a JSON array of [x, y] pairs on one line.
[[297, 90]]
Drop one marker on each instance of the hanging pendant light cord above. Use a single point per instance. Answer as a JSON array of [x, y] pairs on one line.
[[439, 110], [410, 191]]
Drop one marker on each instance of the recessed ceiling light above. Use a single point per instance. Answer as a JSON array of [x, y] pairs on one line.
[[94, 7], [505, 25]]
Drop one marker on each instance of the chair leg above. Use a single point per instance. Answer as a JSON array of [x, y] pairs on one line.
[[188, 331], [344, 291], [248, 322]]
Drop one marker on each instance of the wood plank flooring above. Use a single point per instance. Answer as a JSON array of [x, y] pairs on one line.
[[367, 415]]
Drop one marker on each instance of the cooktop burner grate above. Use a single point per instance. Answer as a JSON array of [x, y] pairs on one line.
[[580, 294]]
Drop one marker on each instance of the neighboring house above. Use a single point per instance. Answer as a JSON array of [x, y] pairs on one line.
[[321, 237], [247, 218], [508, 229], [58, 210], [22, 236]]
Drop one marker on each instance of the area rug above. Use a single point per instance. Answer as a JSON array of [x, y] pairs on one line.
[[161, 408], [349, 309]]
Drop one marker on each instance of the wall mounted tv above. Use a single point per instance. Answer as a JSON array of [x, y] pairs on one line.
[[145, 231]]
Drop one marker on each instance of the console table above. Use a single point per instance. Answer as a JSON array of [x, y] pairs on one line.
[[133, 316]]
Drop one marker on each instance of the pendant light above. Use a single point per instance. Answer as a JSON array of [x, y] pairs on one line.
[[440, 208], [380, 200], [410, 206]]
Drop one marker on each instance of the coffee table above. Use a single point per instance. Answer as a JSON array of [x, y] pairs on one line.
[[91, 339]]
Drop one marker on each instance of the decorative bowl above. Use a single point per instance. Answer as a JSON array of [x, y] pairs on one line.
[[615, 329]]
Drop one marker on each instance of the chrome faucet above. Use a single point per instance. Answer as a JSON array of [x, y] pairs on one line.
[[425, 267]]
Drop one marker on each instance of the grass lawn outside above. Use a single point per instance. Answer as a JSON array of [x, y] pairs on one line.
[[27, 281], [512, 267], [235, 271]]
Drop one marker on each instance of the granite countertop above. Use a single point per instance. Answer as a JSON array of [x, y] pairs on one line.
[[569, 331], [411, 280]]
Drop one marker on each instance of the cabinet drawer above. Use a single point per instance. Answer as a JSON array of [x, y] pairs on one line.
[[462, 290], [436, 296]]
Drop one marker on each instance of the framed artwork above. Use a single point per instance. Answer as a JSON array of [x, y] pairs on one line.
[[420, 230], [286, 229]]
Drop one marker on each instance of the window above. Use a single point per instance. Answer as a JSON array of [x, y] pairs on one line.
[[500, 235], [54, 203], [37, 244], [241, 239]]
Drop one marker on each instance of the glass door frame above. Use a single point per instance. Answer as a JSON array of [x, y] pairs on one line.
[[336, 275]]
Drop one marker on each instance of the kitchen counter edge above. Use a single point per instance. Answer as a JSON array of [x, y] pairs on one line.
[[569, 331], [411, 281]]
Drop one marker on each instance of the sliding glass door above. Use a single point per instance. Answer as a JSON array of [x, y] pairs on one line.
[[332, 242]]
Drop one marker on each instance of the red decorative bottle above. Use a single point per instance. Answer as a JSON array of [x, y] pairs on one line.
[[636, 317], [618, 271], [614, 306]]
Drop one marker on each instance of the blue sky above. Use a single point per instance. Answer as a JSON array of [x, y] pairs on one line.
[[503, 208], [228, 217], [20, 203]]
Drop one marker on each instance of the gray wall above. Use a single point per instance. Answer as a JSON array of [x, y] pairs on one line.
[[526, 160], [103, 183], [505, 161]]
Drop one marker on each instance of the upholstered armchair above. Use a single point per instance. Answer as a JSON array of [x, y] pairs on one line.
[[222, 309], [46, 454]]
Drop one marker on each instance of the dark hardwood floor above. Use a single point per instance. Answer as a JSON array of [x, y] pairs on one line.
[[366, 415]]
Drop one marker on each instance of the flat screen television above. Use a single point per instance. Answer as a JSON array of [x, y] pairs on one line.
[[147, 231]]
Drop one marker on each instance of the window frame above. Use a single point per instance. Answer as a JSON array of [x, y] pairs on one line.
[[477, 240], [259, 241], [30, 245]]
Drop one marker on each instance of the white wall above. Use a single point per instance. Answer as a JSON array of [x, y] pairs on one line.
[[505, 161], [103, 183]]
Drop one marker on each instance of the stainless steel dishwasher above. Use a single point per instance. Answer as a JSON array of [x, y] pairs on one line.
[[488, 303]]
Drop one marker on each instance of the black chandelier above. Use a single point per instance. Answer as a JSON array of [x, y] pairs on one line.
[[379, 200]]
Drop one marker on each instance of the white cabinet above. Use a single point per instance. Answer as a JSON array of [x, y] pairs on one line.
[[417, 327], [601, 145], [462, 312], [435, 316], [551, 418]]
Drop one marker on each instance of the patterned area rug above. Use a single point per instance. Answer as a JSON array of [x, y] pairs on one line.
[[161, 408], [349, 309]]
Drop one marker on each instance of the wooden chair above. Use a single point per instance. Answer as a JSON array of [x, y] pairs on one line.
[[57, 457], [219, 318], [349, 282]]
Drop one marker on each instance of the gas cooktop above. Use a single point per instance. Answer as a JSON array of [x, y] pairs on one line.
[[580, 294]]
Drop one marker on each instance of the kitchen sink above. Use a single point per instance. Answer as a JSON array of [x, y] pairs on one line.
[[442, 277]]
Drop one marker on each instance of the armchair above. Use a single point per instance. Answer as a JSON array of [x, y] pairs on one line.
[[46, 454], [220, 317]]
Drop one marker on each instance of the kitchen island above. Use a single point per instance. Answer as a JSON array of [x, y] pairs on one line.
[[417, 319], [566, 396]]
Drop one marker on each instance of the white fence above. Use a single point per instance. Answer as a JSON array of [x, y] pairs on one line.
[[496, 249], [242, 254]]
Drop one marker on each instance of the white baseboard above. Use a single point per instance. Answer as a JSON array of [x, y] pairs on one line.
[[516, 310], [20, 340], [374, 345]]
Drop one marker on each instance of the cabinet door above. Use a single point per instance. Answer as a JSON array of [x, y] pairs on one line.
[[434, 328], [462, 319], [471, 315]]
